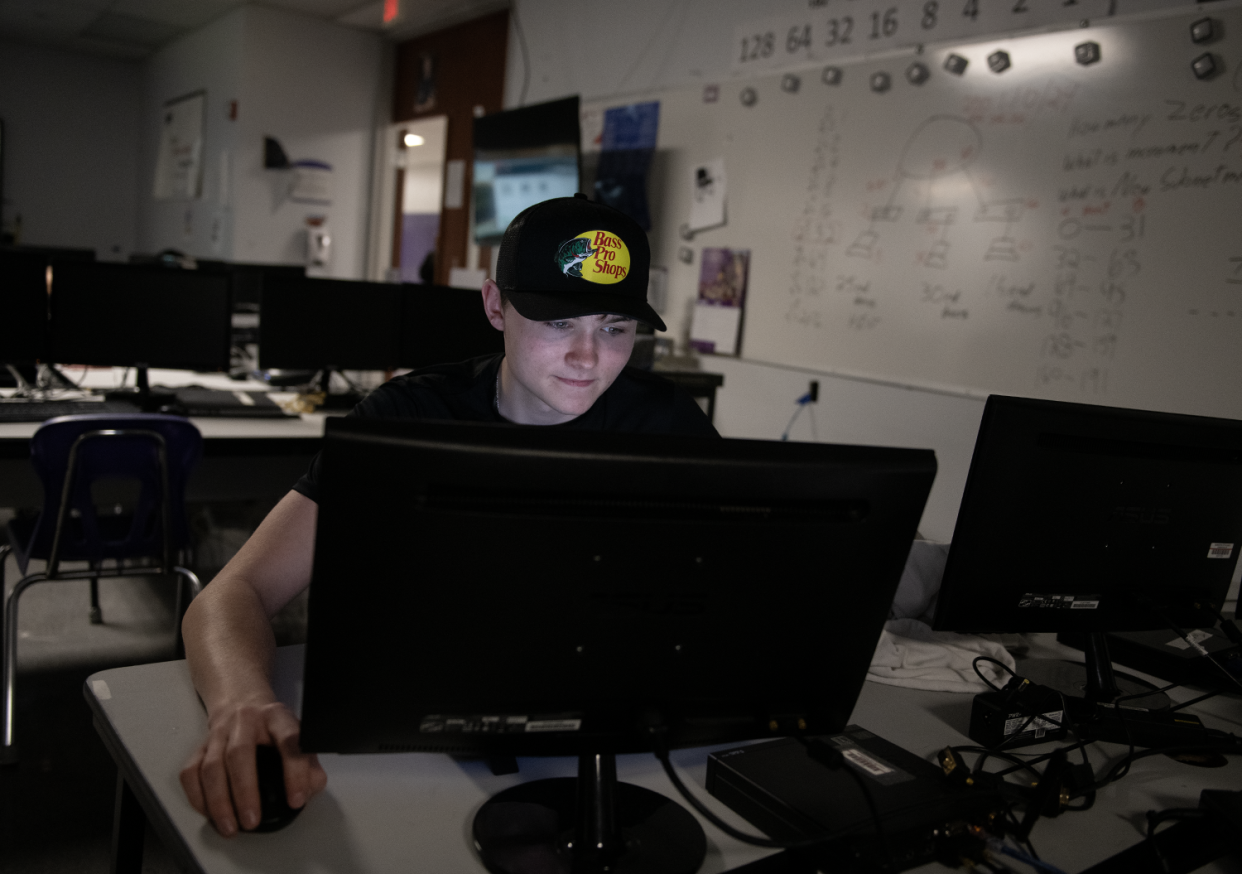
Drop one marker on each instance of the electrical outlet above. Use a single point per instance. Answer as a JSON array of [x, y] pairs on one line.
[[814, 390]]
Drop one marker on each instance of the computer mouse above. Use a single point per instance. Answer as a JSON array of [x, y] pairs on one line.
[[275, 812]]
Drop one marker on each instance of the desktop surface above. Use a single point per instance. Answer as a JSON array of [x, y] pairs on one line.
[[410, 812]]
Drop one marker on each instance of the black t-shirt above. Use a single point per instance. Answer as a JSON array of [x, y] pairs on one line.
[[638, 402]]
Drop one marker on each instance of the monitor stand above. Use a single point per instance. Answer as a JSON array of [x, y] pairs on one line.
[[147, 400], [1095, 682], [587, 825], [345, 400], [28, 378]]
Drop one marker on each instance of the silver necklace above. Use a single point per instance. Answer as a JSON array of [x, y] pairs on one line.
[[496, 397]]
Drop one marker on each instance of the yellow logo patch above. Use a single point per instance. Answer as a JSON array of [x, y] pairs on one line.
[[596, 256]]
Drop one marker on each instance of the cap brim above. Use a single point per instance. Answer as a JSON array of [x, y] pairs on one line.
[[544, 307]]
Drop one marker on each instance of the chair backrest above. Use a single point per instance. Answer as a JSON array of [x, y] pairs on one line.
[[132, 451]]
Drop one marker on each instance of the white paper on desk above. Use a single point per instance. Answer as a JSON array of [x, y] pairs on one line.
[[714, 328], [707, 195]]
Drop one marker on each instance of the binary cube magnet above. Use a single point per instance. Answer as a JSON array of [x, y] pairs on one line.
[[1087, 53]]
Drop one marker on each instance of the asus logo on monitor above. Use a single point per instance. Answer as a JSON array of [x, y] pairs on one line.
[[1141, 515]]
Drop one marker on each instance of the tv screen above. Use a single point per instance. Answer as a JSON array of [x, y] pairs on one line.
[[522, 157]]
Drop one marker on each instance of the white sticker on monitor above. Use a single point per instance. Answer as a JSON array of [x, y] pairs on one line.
[[864, 761], [1058, 601], [1220, 550], [553, 725]]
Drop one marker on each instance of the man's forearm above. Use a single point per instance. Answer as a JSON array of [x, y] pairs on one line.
[[229, 644]]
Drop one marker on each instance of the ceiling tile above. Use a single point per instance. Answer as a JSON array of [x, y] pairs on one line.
[[183, 13], [369, 15], [317, 8], [129, 30]]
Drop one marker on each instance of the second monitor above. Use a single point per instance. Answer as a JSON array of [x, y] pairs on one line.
[[316, 324]]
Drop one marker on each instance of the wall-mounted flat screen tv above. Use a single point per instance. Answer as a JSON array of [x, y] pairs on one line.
[[521, 157]]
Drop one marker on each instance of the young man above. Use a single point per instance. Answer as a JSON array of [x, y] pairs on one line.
[[571, 283]]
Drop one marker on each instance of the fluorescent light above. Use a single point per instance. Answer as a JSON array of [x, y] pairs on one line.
[[412, 140]]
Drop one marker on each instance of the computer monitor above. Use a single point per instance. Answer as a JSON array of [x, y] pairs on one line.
[[248, 279], [522, 157], [1084, 518], [489, 589], [128, 315], [441, 325], [328, 324], [23, 308]]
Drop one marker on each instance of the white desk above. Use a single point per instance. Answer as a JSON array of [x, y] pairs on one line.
[[243, 459], [413, 812]]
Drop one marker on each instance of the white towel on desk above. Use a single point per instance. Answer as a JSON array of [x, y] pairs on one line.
[[910, 654]]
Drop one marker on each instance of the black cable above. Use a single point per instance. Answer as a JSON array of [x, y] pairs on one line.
[[661, 753], [1173, 708], [1193, 645], [975, 664], [517, 25], [1122, 767], [835, 760], [1019, 764]]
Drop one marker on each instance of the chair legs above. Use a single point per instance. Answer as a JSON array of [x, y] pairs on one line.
[[96, 614], [196, 587], [8, 646], [8, 750]]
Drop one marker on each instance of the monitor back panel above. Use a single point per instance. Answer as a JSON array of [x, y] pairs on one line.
[[124, 315], [558, 592], [1086, 518], [23, 308], [440, 325], [308, 324]]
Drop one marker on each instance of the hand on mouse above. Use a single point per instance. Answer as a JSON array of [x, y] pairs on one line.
[[220, 779]]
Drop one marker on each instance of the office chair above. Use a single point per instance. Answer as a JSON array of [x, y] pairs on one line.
[[71, 455]]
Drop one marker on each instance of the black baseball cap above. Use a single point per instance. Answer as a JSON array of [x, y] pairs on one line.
[[571, 257]]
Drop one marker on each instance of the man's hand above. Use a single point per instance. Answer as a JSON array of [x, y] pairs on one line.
[[220, 779], [229, 646]]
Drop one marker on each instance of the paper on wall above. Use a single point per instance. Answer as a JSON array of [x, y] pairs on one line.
[[454, 184], [716, 326], [707, 195], [179, 161], [715, 329]]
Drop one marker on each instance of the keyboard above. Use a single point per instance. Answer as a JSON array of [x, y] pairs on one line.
[[41, 411], [208, 402]]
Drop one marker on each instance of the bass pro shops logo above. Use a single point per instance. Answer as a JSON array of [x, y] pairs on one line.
[[596, 256]]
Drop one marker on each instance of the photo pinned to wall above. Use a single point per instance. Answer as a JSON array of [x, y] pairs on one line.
[[179, 161], [716, 327], [707, 195]]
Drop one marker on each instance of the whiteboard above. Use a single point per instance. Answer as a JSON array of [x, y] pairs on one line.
[[1054, 230]]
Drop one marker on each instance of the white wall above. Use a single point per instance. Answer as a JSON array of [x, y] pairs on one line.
[[209, 60], [599, 48], [660, 45], [313, 86], [71, 143], [310, 84]]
